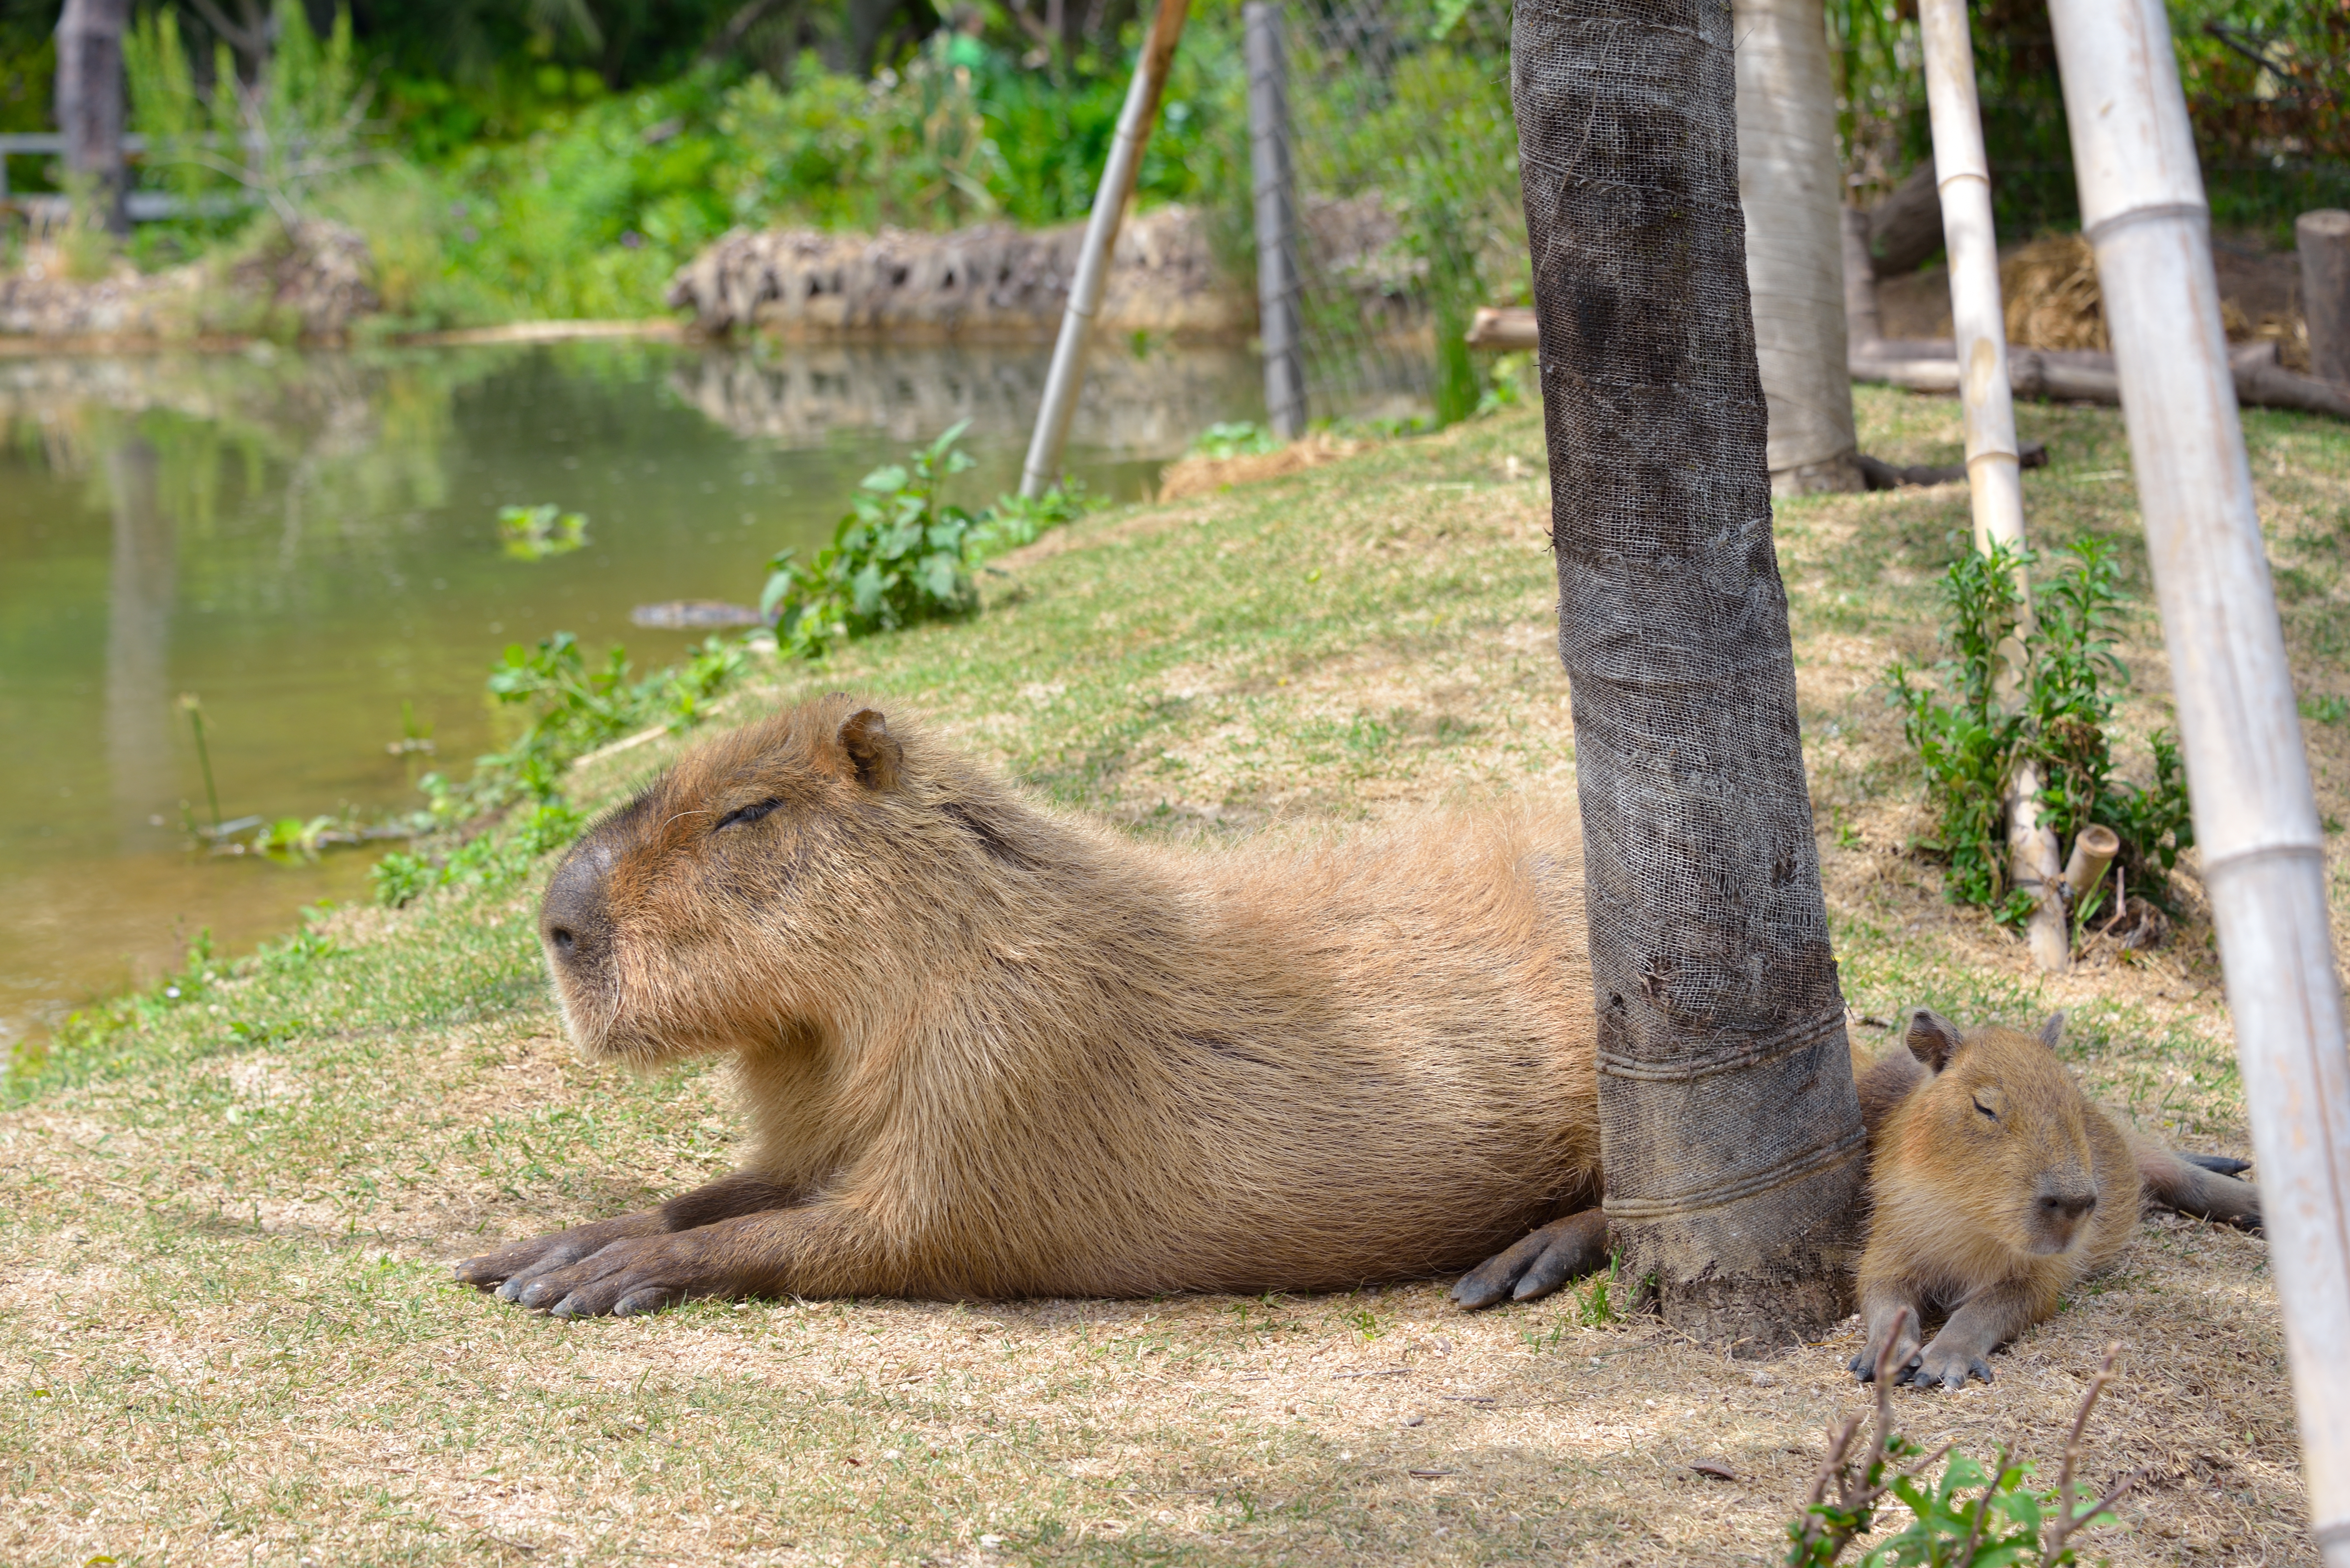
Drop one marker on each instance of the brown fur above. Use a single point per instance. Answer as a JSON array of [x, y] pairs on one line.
[[992, 1050], [1995, 1187]]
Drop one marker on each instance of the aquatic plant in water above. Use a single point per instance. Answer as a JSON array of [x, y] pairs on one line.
[[534, 533]]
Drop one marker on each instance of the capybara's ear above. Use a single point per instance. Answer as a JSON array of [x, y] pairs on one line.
[[2053, 1030], [1932, 1039], [872, 749]]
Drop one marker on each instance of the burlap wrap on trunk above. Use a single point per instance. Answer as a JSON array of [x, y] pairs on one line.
[[1731, 1132]]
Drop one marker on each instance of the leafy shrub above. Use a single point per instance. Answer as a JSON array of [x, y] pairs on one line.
[[896, 558], [274, 138], [1970, 742], [901, 555]]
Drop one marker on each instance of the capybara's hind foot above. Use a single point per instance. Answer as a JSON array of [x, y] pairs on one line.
[[1544, 1260], [2225, 1164]]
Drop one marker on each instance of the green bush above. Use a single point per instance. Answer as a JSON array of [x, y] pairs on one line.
[[1969, 740]]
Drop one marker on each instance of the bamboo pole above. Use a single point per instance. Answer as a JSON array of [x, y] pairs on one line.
[[1068, 376], [1977, 324], [1994, 469], [2256, 824]]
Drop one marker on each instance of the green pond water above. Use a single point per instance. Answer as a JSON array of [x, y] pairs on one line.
[[308, 544]]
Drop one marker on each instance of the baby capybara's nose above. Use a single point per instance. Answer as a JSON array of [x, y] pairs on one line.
[[572, 919]]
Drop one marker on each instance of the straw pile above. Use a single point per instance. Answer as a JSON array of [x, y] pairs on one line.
[[2052, 302], [1199, 474]]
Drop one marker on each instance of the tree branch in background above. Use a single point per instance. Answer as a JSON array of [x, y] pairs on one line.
[[251, 41], [729, 38]]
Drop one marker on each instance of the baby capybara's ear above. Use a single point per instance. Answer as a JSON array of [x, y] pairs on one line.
[[872, 750], [2053, 1030], [1933, 1039]]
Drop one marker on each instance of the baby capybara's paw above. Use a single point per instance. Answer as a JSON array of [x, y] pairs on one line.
[[1897, 1329], [1943, 1365]]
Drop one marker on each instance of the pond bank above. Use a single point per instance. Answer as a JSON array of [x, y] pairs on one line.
[[227, 1220]]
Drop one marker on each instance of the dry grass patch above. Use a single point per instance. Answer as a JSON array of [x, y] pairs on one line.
[[226, 1330]]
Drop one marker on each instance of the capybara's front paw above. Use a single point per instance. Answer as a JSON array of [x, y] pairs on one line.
[[1539, 1263], [638, 1274], [1904, 1342], [510, 1268], [1944, 1366]]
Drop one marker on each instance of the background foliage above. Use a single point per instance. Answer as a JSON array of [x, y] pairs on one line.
[[537, 158]]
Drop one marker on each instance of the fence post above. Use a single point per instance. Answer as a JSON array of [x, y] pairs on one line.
[[1276, 218], [1068, 375], [2323, 240], [2256, 826]]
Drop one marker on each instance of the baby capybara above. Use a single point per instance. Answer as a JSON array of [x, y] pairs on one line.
[[989, 1049], [1994, 1186]]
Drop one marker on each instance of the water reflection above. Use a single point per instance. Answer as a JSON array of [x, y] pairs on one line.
[[140, 584], [1146, 405], [307, 542]]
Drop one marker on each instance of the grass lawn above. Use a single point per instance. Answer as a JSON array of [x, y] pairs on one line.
[[227, 1332]]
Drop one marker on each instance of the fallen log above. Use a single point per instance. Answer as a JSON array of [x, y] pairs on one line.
[[2085, 376], [2062, 375]]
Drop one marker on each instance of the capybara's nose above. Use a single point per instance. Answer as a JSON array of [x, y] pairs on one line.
[[572, 919]]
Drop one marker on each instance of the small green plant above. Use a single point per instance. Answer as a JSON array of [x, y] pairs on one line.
[[686, 693], [415, 735], [2006, 1526], [1966, 742], [2329, 709], [194, 709], [291, 838], [1971, 736], [534, 533], [400, 879], [1594, 1304], [1366, 1322], [899, 556], [1235, 438], [1017, 520], [573, 708]]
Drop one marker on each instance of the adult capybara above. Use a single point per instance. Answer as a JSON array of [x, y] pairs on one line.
[[1994, 1186], [989, 1049]]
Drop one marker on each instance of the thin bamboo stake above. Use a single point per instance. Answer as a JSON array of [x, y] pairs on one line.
[[2092, 850], [2256, 826], [1977, 324], [1994, 469], [1068, 376]]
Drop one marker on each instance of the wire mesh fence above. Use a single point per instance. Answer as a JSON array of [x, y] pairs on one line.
[[1405, 159]]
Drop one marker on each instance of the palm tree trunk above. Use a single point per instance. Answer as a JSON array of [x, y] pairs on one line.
[[1729, 1128], [1790, 180]]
